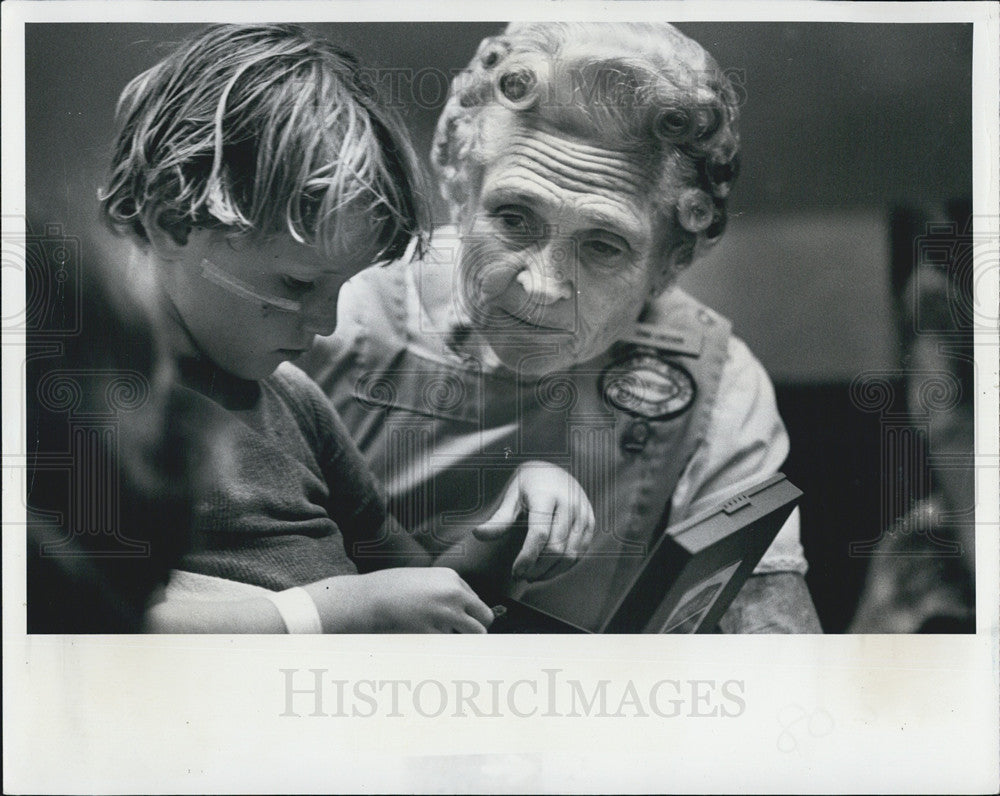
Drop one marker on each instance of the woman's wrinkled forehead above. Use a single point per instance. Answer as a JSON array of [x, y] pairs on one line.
[[539, 166], [643, 90]]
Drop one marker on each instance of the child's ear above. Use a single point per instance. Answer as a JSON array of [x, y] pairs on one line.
[[169, 239]]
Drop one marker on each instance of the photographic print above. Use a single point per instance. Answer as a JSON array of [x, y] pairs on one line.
[[325, 328]]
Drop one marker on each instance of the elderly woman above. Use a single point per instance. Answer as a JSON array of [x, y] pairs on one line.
[[586, 165]]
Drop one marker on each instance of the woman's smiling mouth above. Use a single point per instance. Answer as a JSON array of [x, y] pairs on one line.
[[529, 325]]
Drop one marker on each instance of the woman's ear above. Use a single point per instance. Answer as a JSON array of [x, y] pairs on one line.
[[169, 239], [666, 273], [675, 254]]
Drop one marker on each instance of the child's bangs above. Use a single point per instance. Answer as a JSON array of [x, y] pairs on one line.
[[269, 132], [329, 160]]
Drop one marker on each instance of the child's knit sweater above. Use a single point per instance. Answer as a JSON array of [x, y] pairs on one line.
[[292, 486]]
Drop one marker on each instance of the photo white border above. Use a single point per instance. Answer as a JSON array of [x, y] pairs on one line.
[[189, 714]]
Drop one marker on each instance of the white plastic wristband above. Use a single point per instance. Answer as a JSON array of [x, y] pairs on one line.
[[297, 609]]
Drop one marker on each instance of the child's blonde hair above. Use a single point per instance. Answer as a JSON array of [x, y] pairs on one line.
[[264, 130]]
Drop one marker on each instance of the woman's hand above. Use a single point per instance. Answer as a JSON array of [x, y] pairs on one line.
[[560, 520]]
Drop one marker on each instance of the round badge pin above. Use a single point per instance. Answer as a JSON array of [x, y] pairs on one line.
[[644, 384]]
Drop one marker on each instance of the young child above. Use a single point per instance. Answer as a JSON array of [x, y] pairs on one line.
[[256, 175]]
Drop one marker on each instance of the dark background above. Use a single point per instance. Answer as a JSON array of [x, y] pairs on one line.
[[837, 115], [843, 125]]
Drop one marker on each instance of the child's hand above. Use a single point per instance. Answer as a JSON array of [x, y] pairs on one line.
[[422, 600], [406, 600], [560, 520]]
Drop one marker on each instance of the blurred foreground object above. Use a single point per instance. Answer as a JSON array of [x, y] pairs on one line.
[[114, 454]]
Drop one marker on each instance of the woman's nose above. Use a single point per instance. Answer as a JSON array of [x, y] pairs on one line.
[[547, 276]]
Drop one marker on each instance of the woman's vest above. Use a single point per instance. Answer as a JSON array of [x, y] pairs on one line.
[[444, 433]]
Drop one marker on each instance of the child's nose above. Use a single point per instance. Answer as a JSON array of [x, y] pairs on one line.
[[319, 312]]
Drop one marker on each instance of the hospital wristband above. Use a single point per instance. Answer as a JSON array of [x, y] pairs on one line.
[[297, 609]]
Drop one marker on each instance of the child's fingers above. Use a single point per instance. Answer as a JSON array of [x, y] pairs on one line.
[[471, 615], [479, 610], [473, 606], [462, 622]]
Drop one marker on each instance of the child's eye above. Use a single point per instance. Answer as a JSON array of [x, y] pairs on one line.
[[297, 285]]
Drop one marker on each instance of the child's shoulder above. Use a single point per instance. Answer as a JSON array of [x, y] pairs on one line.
[[312, 409], [296, 388]]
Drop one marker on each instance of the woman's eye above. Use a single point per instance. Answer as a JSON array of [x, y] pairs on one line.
[[513, 220], [604, 249], [297, 285]]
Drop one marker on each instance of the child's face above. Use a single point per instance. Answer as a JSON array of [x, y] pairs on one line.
[[251, 306]]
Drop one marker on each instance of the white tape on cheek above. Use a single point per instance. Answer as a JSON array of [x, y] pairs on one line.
[[217, 276]]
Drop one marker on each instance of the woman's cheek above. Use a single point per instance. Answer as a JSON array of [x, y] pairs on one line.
[[487, 269]]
